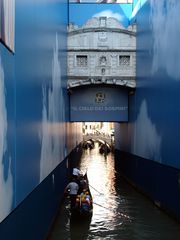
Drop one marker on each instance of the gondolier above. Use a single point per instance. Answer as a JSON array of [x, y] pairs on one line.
[[72, 189]]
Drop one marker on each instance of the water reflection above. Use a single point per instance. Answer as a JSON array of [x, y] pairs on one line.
[[119, 212], [101, 175]]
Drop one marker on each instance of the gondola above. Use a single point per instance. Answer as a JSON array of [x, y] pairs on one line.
[[84, 203], [104, 148], [88, 144]]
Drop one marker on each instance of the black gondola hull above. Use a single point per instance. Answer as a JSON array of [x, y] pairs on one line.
[[80, 212]]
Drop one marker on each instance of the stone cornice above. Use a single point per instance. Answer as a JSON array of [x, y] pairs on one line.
[[100, 29], [100, 50], [102, 80]]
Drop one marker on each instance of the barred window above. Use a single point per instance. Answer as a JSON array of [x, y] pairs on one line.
[[124, 60], [81, 61]]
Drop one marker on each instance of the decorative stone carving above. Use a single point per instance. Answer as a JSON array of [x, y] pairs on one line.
[[103, 61], [103, 71], [106, 53]]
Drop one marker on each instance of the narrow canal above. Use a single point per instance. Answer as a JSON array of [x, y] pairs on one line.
[[119, 211]]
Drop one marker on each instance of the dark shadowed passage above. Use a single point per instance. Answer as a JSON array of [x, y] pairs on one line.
[[119, 211]]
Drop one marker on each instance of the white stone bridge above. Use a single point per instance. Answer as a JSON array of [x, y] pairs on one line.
[[106, 138]]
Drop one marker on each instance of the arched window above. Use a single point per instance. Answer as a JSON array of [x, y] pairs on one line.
[[103, 70]]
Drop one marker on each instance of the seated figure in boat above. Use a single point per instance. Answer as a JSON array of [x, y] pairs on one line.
[[84, 201], [82, 184], [76, 174]]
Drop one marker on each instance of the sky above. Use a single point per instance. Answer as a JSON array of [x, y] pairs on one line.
[[79, 15]]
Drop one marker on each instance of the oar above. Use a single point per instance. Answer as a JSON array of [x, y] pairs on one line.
[[118, 213], [93, 187], [96, 190]]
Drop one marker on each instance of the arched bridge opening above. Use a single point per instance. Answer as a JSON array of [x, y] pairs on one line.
[[98, 135]]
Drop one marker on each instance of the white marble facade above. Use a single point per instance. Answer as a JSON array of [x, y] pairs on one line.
[[102, 50]]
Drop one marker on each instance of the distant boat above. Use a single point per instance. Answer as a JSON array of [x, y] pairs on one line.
[[88, 144], [104, 147]]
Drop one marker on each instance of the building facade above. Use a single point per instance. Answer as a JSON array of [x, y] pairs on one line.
[[101, 51]]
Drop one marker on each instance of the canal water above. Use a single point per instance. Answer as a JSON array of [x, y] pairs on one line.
[[119, 211]]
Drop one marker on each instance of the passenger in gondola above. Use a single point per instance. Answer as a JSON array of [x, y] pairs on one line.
[[72, 190], [82, 184], [85, 201], [76, 173]]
